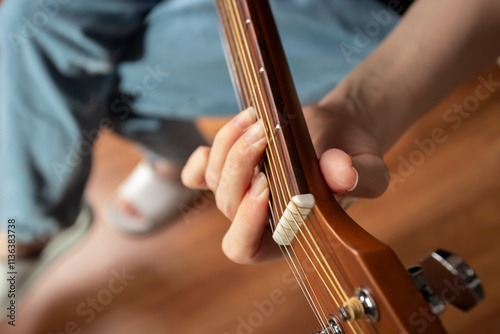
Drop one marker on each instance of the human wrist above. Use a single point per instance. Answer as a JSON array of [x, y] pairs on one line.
[[414, 68]]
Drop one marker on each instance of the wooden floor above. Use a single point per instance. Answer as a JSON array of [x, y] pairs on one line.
[[178, 281]]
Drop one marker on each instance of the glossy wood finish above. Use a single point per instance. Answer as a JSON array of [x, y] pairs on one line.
[[340, 254]]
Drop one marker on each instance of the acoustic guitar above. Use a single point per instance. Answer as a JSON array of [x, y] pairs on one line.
[[353, 282]]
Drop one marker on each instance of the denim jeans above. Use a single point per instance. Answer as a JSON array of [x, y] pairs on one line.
[[144, 69]]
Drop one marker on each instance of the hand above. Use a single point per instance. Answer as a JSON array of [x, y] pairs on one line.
[[350, 160], [350, 154]]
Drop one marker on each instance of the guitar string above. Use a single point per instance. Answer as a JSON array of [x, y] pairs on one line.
[[306, 251], [270, 158], [350, 323], [249, 101], [288, 258], [337, 282], [295, 271], [298, 272], [333, 284], [277, 204], [320, 252], [295, 222], [303, 222], [280, 163]]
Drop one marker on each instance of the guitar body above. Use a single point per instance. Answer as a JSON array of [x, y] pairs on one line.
[[332, 257]]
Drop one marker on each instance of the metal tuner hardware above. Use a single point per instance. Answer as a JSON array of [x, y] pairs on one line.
[[332, 326], [444, 277], [361, 306]]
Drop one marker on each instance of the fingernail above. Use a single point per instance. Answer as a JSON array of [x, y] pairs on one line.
[[255, 133], [259, 186], [357, 179], [245, 118]]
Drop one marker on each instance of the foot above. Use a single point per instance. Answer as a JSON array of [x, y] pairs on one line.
[[164, 170], [149, 197]]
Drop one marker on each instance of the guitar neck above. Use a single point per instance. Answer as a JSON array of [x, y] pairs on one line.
[[343, 256], [263, 80]]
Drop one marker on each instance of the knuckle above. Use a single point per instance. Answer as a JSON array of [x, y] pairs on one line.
[[233, 165], [224, 204], [212, 180], [222, 135]]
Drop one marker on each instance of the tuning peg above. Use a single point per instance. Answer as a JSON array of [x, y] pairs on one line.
[[436, 304], [332, 326], [443, 276], [452, 279]]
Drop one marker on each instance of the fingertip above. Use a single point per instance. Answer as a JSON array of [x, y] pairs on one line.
[[259, 187], [193, 173], [337, 169], [244, 242], [245, 118], [356, 181]]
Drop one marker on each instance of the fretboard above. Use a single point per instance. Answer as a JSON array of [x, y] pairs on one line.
[[262, 79]]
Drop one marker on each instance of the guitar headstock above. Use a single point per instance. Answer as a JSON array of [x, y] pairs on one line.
[[354, 281], [356, 284]]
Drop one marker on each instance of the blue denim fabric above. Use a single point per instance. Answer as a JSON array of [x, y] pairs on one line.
[[145, 69]]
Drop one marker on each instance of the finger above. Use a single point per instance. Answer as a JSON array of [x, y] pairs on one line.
[[338, 171], [193, 173], [248, 240], [363, 175], [239, 169], [224, 140]]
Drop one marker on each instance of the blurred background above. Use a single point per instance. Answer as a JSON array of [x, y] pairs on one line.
[[178, 281]]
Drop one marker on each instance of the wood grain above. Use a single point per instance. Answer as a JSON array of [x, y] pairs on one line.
[[183, 283]]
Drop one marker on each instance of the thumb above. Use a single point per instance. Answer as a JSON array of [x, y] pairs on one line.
[[362, 175]]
